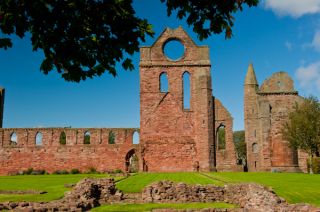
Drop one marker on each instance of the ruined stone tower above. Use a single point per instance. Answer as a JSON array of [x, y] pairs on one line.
[[251, 117], [174, 138], [2, 92], [265, 110]]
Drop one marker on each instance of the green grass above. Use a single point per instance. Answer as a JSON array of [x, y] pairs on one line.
[[294, 187], [136, 183], [151, 206], [53, 184]]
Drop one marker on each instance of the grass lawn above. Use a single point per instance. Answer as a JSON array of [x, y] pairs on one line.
[[137, 182], [151, 206], [53, 184], [294, 187]]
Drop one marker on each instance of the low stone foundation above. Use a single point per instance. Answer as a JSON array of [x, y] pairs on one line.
[[88, 193], [165, 191], [249, 197]]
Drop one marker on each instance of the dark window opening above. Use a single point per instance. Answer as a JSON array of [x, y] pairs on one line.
[[86, 139], [255, 148], [111, 138], [63, 138]]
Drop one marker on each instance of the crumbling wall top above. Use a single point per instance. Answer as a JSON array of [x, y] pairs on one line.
[[193, 55], [221, 113], [279, 82]]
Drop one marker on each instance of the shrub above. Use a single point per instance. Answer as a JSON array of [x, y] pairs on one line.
[[38, 172], [75, 171], [61, 172], [28, 171], [117, 171], [315, 165], [92, 170], [31, 171]]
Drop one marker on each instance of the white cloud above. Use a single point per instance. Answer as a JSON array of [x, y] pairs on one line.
[[316, 41], [288, 45], [309, 76], [293, 8]]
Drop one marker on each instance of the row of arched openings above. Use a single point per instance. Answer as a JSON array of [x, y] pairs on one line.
[[14, 138], [63, 138], [186, 87]]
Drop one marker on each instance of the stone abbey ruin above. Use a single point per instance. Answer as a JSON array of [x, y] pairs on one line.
[[172, 138]]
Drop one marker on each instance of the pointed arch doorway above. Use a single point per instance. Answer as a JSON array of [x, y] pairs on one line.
[[132, 161]]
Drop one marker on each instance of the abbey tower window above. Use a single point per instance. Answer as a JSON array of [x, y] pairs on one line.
[[13, 138], [186, 91], [38, 139], [163, 83]]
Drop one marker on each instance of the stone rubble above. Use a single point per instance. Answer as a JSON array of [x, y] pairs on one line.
[[249, 197], [91, 192], [87, 193]]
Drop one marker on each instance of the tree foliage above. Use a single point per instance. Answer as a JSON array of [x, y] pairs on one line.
[[207, 16], [302, 129], [221, 140], [111, 138], [240, 146], [63, 138], [84, 38]]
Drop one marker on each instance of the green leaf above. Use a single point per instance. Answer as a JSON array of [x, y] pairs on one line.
[[5, 43]]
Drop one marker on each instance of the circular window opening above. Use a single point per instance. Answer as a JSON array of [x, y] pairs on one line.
[[173, 49]]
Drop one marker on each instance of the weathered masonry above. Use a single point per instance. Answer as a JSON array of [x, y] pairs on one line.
[[54, 149], [265, 110], [173, 137]]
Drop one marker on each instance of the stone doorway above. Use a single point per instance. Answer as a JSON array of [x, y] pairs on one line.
[[132, 161]]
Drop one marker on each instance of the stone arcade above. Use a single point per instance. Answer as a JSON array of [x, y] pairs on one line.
[[172, 138]]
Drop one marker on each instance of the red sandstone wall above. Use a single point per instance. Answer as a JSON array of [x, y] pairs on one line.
[[225, 158], [52, 155], [265, 112], [172, 138], [251, 124], [282, 155]]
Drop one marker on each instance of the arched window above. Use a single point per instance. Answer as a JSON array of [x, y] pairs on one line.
[[14, 138], [132, 161], [255, 148], [270, 114], [135, 138], [86, 139], [221, 137], [63, 138], [111, 138], [38, 139], [163, 82], [186, 90], [280, 85]]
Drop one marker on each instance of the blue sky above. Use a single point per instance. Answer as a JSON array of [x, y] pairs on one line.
[[278, 35]]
